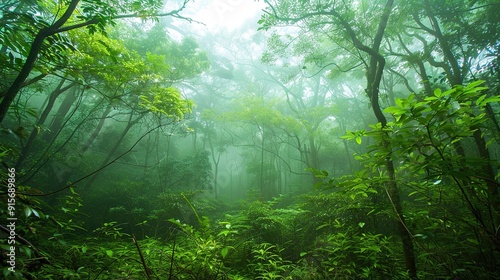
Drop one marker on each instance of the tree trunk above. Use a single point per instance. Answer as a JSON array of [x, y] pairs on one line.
[[58, 119], [456, 78], [29, 64], [36, 130], [491, 183], [262, 166], [130, 124], [374, 77], [216, 161], [96, 131]]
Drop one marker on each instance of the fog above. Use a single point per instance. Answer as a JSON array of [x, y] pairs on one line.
[[235, 139]]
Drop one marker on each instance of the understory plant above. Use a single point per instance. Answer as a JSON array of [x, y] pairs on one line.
[[449, 191]]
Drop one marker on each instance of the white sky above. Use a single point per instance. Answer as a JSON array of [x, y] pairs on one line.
[[223, 14]]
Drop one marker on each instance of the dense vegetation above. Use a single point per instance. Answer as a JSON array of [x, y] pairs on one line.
[[318, 140]]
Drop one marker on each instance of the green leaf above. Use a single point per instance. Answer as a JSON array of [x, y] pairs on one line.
[[27, 211], [109, 253], [26, 250], [35, 213], [358, 140], [361, 224], [322, 226], [84, 248], [489, 100], [474, 84], [399, 102], [394, 110], [438, 92], [224, 251], [480, 100], [473, 241]]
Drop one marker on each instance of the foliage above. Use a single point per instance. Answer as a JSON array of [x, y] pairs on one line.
[[268, 263], [234, 247], [350, 253], [274, 226], [167, 102], [83, 87], [190, 173], [201, 253], [445, 192]]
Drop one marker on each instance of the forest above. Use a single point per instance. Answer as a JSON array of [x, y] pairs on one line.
[[250, 139]]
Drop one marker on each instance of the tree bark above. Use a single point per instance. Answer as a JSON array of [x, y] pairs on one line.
[[455, 77], [130, 124], [456, 74], [55, 28], [96, 131], [374, 77], [215, 160], [29, 64], [62, 111], [36, 130]]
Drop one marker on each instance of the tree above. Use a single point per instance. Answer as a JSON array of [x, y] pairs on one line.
[[425, 130], [344, 17], [94, 14], [450, 29]]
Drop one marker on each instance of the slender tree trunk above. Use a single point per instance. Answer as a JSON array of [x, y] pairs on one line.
[[406, 237], [314, 162], [59, 117], [96, 131], [130, 124], [216, 175], [216, 161], [262, 166], [491, 114], [147, 155], [29, 64], [61, 169], [36, 130], [491, 183], [348, 156], [456, 78], [374, 77]]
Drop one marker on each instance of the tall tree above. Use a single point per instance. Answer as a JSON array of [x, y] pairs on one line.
[[335, 15], [50, 30]]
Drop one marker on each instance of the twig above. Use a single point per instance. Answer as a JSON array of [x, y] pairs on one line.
[[95, 171], [172, 260], [146, 268], [23, 241], [107, 266]]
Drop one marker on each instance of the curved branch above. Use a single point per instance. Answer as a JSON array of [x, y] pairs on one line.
[[97, 170], [36, 47]]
